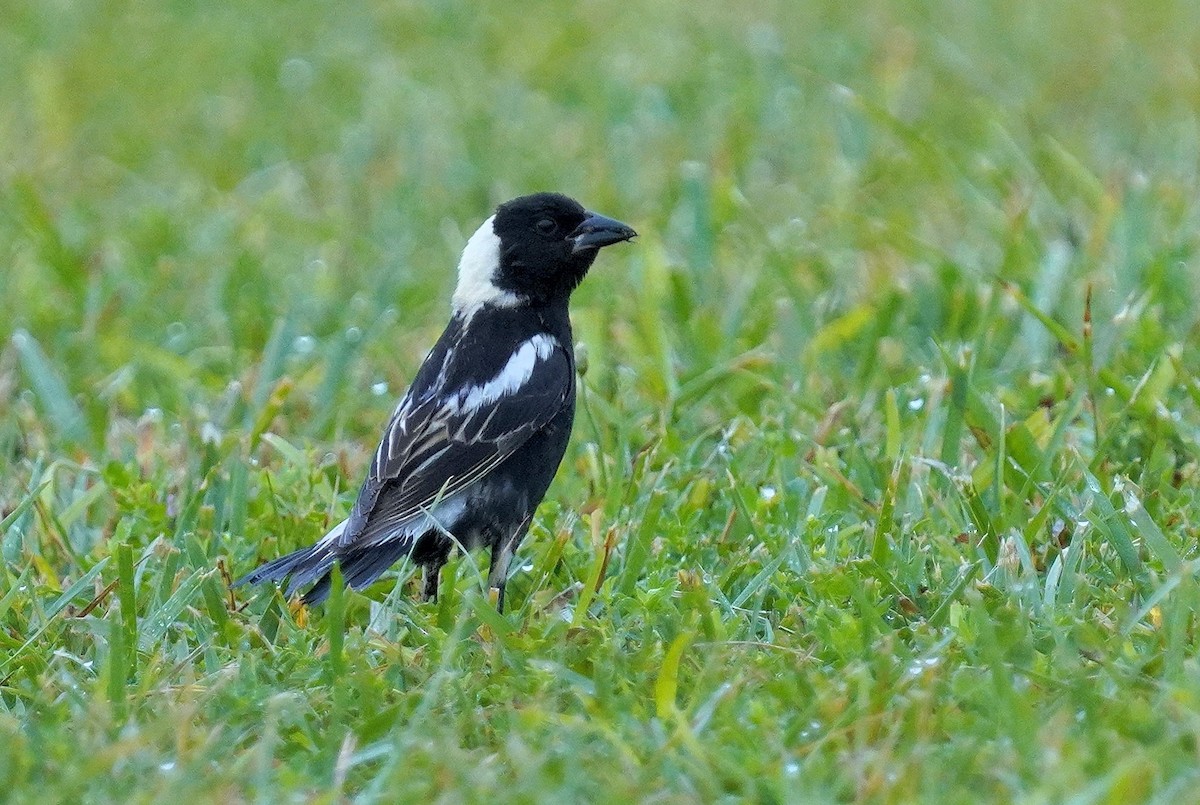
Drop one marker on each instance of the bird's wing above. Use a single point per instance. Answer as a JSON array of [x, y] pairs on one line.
[[442, 441]]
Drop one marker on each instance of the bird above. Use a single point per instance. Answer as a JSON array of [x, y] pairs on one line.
[[474, 443]]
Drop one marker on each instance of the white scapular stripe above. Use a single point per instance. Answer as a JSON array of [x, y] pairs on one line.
[[515, 374], [476, 273]]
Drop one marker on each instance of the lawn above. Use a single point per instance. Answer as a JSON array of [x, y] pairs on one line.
[[884, 486]]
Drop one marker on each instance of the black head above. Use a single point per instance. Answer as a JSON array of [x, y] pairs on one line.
[[539, 248]]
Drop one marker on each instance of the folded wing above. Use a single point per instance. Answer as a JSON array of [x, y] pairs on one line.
[[444, 439]]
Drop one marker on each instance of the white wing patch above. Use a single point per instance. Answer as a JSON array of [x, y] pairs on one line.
[[477, 271], [515, 374]]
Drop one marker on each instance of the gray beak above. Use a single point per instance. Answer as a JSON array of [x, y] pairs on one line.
[[598, 231]]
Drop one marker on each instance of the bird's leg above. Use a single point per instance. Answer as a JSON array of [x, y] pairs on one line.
[[430, 574], [502, 554]]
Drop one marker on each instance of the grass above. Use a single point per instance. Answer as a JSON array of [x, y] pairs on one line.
[[884, 485]]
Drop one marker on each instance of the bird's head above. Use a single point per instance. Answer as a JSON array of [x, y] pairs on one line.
[[535, 248]]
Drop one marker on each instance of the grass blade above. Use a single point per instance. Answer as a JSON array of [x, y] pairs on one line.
[[51, 389]]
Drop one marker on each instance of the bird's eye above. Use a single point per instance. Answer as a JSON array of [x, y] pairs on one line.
[[546, 226]]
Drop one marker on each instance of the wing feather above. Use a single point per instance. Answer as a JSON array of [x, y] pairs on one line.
[[439, 445]]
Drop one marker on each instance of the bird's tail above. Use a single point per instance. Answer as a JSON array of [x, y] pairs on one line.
[[359, 568], [301, 568], [312, 566]]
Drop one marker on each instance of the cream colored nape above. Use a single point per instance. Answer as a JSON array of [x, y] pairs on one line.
[[477, 272]]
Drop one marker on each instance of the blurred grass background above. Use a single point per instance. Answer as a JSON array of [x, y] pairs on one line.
[[890, 418]]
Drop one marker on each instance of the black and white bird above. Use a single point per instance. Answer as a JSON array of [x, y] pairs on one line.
[[472, 446]]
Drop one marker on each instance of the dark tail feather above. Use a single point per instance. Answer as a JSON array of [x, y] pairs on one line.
[[318, 593], [311, 565], [359, 568], [362, 568], [303, 566]]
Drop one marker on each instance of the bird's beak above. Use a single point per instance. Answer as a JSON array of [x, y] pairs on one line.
[[597, 231]]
